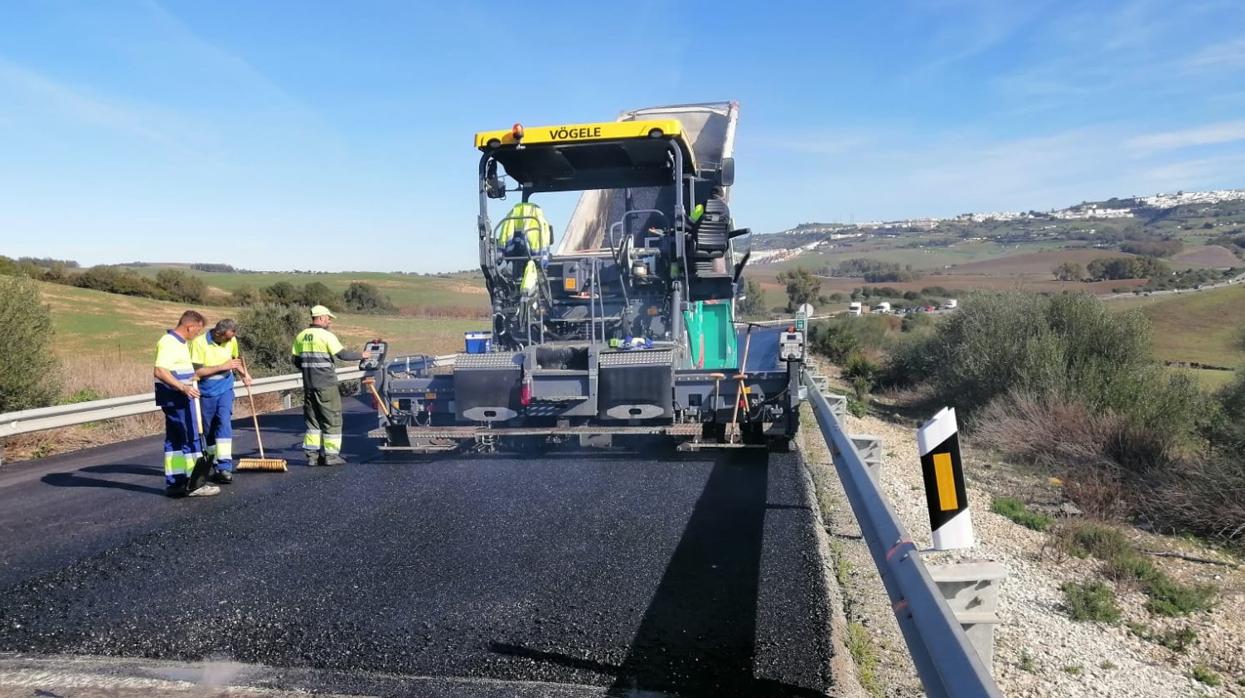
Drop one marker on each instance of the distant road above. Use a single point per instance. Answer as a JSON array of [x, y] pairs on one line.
[[1205, 287]]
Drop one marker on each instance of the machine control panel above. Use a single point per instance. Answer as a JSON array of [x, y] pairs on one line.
[[791, 346], [377, 348]]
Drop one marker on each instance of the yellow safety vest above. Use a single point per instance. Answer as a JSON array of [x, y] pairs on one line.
[[530, 220], [315, 347]]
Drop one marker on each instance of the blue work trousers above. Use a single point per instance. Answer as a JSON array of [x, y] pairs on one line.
[[181, 443], [218, 425]]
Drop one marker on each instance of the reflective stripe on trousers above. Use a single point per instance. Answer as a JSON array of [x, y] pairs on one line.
[[312, 440], [332, 444], [222, 450]]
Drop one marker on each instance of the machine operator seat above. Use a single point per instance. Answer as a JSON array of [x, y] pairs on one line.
[[524, 238], [712, 228]]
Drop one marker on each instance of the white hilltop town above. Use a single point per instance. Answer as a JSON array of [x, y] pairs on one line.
[[1119, 208]]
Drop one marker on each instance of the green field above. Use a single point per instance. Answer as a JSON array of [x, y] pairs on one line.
[[113, 329], [453, 295], [1205, 326], [920, 258]]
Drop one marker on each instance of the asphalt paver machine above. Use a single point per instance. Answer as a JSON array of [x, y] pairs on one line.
[[623, 330]]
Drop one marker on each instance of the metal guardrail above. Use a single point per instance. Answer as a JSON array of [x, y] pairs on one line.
[[41, 418], [945, 659]]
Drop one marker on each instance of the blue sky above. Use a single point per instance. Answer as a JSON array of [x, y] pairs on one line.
[[336, 136]]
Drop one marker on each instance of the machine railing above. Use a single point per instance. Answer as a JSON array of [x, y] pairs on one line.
[[945, 659]]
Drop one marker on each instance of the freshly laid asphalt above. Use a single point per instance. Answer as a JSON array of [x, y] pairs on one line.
[[656, 572]]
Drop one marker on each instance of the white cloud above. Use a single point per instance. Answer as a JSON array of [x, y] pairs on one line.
[[1207, 134], [79, 104], [1228, 54]]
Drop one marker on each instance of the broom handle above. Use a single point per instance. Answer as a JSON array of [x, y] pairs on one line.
[[254, 417], [379, 402], [743, 366], [199, 421]]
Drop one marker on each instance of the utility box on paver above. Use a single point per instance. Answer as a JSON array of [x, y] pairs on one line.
[[478, 342]]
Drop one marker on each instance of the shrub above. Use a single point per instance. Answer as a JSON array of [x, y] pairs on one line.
[[83, 395], [28, 373], [801, 286], [113, 280], [1063, 349], [1016, 510], [835, 341], [1204, 674], [753, 303], [215, 268], [861, 372], [1171, 598], [316, 293], [266, 333], [1126, 268], [365, 298], [1177, 639], [1225, 429], [246, 296], [282, 293], [1167, 597], [1093, 601], [181, 286], [1086, 539]]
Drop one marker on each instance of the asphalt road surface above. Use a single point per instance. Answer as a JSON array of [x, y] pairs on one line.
[[653, 573]]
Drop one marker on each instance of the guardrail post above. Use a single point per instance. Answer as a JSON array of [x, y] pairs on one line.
[[287, 401], [972, 591], [822, 383], [838, 405], [870, 449]]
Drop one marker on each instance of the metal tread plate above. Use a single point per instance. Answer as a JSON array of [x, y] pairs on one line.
[[493, 360], [636, 357]]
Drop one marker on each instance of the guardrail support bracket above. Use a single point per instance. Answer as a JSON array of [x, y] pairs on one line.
[[972, 591], [870, 449]]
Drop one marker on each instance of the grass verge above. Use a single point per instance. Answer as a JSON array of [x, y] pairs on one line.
[[1091, 601], [1165, 596], [865, 657], [1016, 510], [1204, 674]]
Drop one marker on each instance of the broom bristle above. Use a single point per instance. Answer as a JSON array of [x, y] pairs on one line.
[[273, 464]]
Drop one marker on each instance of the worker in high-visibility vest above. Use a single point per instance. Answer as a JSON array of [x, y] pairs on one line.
[[314, 350], [175, 393], [215, 357], [525, 232]]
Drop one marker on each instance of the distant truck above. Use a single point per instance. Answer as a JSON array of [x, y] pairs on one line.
[[883, 307], [950, 304], [855, 308]]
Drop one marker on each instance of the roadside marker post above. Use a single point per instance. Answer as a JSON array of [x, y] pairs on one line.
[[946, 495]]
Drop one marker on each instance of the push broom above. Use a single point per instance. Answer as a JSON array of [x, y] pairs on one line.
[[261, 463]]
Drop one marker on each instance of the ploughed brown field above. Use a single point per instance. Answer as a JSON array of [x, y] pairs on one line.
[[1030, 271], [1212, 256]]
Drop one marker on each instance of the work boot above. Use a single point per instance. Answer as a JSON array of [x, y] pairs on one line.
[[221, 477], [314, 459], [176, 491], [334, 459], [205, 491]]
